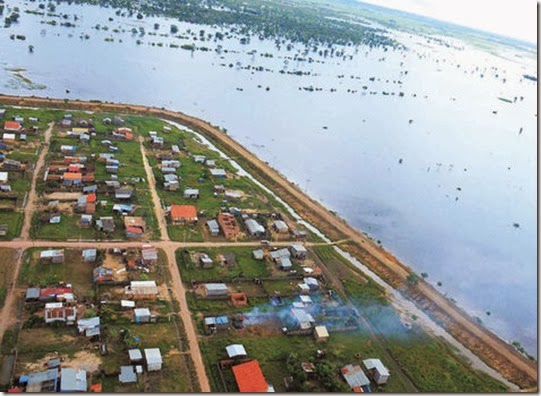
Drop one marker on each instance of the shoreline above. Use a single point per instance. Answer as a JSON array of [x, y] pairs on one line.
[[494, 351]]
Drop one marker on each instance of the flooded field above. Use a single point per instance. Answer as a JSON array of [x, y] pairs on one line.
[[431, 150]]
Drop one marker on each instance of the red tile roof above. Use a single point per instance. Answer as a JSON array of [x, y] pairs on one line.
[[135, 230], [180, 212], [91, 198], [14, 125], [250, 378], [72, 176]]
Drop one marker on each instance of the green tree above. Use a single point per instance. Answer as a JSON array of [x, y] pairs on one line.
[[412, 279]]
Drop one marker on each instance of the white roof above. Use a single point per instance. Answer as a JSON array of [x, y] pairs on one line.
[[142, 312], [215, 286], [304, 286], [8, 136], [135, 354], [53, 305], [127, 303], [3, 176], [298, 247], [321, 331], [306, 299], [153, 355], [51, 253], [235, 350], [376, 364]]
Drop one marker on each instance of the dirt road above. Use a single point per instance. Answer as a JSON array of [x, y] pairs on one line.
[[158, 209], [31, 200], [489, 347]]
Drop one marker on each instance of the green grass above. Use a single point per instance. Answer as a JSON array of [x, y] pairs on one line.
[[73, 271], [246, 265], [14, 221]]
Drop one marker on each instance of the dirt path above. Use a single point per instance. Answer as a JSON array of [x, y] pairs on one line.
[[493, 350], [32, 198], [158, 209], [8, 315], [179, 293], [177, 287]]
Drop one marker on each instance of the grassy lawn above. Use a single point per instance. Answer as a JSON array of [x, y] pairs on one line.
[[7, 268], [73, 270], [246, 266], [14, 221]]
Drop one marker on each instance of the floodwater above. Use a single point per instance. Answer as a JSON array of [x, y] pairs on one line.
[[445, 179]]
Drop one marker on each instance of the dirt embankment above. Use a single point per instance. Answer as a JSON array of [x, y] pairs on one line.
[[489, 347]]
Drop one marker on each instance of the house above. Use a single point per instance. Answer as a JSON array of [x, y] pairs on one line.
[[218, 173], [250, 378], [86, 220], [72, 380], [214, 228], [111, 168], [32, 294], [229, 259], [52, 256], [280, 227], [10, 164], [171, 164], [72, 178], [171, 182], [218, 188], [4, 176], [89, 255], [13, 126], [301, 318], [8, 137], [127, 375], [90, 327], [312, 283], [102, 274], [57, 312], [205, 261], [191, 193], [168, 171], [183, 214], [278, 255], [210, 163], [90, 189], [377, 370], [66, 149], [239, 299], [229, 225], [123, 209], [199, 159], [175, 149], [149, 255], [123, 193], [258, 254], [143, 315], [216, 289], [135, 356], [254, 228], [236, 351], [139, 290], [43, 381], [356, 378], [214, 323], [321, 334], [156, 141], [127, 304], [232, 195], [300, 234], [135, 226], [298, 251], [153, 358], [105, 224], [2, 113]]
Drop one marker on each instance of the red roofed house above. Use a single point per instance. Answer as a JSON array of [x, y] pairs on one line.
[[72, 178], [250, 378], [91, 198], [183, 214], [13, 126]]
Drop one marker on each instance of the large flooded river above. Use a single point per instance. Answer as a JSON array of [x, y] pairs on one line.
[[425, 158]]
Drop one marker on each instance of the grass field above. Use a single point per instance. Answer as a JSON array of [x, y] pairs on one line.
[[7, 267]]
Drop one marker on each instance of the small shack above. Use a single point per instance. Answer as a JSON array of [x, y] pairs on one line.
[[153, 358]]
